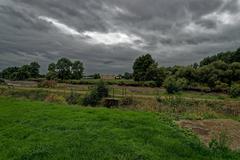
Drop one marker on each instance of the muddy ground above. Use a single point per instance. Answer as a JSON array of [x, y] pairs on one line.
[[209, 129]]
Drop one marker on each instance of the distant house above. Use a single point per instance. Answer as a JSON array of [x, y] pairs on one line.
[[107, 77], [118, 77]]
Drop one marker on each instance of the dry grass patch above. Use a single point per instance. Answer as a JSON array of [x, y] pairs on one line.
[[209, 129]]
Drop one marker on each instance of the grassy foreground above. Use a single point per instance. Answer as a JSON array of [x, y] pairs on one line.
[[32, 130]]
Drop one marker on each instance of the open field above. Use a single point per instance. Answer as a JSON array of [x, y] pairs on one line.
[[144, 128], [118, 91], [39, 130]]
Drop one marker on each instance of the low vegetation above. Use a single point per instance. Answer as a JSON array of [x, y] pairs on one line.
[[39, 130], [97, 133], [97, 93]]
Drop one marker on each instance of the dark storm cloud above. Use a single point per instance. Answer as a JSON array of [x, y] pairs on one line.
[[108, 35]]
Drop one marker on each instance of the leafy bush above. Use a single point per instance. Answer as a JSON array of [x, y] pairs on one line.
[[55, 98], [102, 90], [235, 90], [91, 99], [174, 85], [98, 92], [47, 84], [73, 98]]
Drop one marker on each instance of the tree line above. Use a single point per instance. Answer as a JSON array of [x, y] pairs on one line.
[[21, 73], [63, 69], [216, 72]]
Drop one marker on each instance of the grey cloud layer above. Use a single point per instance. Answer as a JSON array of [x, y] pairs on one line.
[[173, 31]]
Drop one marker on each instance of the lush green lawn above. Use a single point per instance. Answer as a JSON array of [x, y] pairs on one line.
[[36, 130]]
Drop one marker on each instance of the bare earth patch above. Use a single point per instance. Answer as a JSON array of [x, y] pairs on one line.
[[209, 129]]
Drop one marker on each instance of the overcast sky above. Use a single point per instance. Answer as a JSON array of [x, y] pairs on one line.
[[107, 35]]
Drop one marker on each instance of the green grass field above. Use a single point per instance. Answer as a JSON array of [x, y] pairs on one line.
[[31, 130]]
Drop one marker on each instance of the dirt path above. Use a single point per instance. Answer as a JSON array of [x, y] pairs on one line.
[[209, 129]]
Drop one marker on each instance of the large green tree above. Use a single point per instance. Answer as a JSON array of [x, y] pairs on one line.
[[77, 70], [141, 66], [34, 69], [7, 73], [52, 74], [63, 67], [22, 73]]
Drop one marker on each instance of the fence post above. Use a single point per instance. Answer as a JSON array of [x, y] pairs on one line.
[[113, 92]]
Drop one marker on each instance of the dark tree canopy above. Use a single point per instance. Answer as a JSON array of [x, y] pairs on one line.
[[65, 69], [21, 73], [141, 66], [227, 57], [34, 69], [77, 70], [52, 67]]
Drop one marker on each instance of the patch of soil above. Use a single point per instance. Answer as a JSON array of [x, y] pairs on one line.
[[209, 129]]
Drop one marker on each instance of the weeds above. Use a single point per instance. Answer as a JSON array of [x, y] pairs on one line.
[[220, 143]]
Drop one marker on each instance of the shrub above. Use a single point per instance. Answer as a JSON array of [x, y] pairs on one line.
[[98, 92], [47, 84], [171, 85], [174, 85], [91, 99], [55, 98], [73, 98], [102, 90], [235, 91]]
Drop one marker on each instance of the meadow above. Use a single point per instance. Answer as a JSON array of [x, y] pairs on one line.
[[42, 122], [40, 130]]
